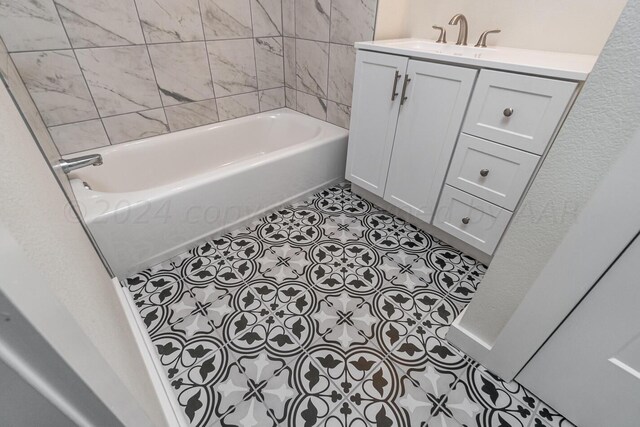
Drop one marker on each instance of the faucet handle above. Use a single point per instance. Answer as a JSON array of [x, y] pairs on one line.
[[442, 38], [482, 41]]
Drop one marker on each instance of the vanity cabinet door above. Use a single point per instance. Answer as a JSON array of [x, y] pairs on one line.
[[376, 101], [430, 119]]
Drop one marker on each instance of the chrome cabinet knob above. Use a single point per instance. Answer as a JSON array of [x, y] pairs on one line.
[[466, 220], [484, 172], [508, 112]]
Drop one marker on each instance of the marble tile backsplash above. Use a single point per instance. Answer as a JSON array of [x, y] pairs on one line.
[[319, 57], [104, 73]]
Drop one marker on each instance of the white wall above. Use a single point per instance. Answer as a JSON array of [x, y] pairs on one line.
[[36, 213], [30, 356], [22, 405], [601, 124], [577, 26], [391, 19]]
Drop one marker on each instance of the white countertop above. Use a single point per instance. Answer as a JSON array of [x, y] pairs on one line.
[[560, 65]]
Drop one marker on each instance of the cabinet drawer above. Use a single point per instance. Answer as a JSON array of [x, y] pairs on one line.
[[471, 219], [491, 171], [516, 110]]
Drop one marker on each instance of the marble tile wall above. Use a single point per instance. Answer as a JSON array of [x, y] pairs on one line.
[[103, 73], [319, 57], [11, 78], [106, 72]]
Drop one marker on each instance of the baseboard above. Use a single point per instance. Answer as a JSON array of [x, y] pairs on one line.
[[171, 410], [467, 342], [463, 247]]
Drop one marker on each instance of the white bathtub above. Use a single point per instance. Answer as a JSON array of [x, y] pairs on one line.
[[155, 198]]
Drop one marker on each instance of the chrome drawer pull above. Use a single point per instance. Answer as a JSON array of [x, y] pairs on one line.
[[466, 220], [484, 172], [508, 112], [404, 89], [394, 93]]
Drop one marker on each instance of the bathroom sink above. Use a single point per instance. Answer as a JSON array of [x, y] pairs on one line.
[[441, 48], [551, 64]]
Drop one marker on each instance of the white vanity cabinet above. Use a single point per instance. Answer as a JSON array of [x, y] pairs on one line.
[[449, 141]]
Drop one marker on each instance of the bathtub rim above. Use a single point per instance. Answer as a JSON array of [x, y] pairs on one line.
[[88, 199], [221, 231]]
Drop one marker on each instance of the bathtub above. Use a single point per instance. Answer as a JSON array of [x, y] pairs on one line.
[[155, 198]]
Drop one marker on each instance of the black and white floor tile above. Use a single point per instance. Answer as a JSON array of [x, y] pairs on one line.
[[329, 312]]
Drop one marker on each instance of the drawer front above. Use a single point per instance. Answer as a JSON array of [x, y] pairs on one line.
[[491, 171], [520, 111], [470, 219]]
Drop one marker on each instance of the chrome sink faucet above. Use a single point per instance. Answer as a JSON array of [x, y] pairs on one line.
[[464, 28], [69, 165]]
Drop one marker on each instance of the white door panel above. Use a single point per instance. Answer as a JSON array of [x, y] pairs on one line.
[[376, 100], [430, 119], [589, 370]]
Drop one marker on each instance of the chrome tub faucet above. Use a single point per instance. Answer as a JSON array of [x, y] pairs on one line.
[[69, 165]]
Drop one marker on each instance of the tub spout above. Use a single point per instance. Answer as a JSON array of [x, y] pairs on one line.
[[69, 165]]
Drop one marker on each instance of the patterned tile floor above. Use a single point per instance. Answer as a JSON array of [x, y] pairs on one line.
[[329, 312]]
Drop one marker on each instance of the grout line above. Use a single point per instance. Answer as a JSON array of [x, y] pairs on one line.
[[151, 44], [118, 115], [375, 20], [537, 408], [144, 35], [284, 62], [153, 68], [255, 58], [157, 108], [326, 107], [206, 48], [295, 54], [84, 78]]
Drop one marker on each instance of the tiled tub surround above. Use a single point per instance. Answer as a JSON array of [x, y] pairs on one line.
[[327, 312], [319, 58], [107, 72]]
